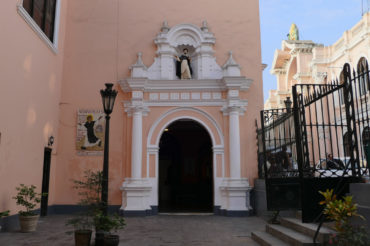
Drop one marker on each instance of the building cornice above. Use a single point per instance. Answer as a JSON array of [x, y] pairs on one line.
[[146, 85]]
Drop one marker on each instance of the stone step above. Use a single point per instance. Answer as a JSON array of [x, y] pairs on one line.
[[266, 239], [290, 236], [308, 229]]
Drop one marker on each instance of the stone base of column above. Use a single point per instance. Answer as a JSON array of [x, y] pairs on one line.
[[235, 197], [135, 197]]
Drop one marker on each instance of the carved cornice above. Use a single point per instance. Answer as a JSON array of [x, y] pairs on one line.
[[320, 76], [146, 85], [298, 76], [235, 105], [278, 71], [135, 106]]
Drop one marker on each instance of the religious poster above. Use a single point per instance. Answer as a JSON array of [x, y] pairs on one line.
[[90, 132]]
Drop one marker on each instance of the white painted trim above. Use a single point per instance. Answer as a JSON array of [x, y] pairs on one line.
[[29, 20], [199, 103], [155, 124], [216, 149], [186, 117], [201, 85], [337, 54]]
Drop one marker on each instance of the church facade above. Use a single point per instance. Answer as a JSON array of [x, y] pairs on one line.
[[176, 145], [307, 62]]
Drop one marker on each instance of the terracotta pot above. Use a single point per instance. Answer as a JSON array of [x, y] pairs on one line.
[[28, 223], [111, 240], [82, 237]]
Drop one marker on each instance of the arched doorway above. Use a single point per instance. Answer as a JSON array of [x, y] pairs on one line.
[[185, 168]]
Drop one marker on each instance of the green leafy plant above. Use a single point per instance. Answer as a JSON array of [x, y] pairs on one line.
[[351, 236], [108, 223], [341, 211], [80, 223], [89, 190], [28, 198], [4, 214]]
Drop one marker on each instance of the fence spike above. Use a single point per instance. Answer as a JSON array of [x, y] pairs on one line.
[[362, 70]]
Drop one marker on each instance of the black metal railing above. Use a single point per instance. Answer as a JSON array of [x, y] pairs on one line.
[[323, 142]]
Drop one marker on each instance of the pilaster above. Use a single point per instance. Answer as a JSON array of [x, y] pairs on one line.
[[235, 189], [136, 190]]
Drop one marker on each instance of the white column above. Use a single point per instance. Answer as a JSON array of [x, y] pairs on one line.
[[137, 136], [136, 190], [234, 145], [234, 190]]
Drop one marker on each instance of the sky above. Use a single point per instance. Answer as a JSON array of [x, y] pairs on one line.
[[322, 21]]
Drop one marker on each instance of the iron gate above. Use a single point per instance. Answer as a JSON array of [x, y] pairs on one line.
[[317, 144]]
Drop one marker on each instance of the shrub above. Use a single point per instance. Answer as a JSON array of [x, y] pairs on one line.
[[28, 198], [341, 211]]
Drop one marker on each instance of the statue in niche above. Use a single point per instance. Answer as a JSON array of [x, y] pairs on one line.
[[183, 67]]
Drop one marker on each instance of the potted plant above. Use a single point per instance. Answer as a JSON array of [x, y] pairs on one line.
[[89, 192], [82, 229], [105, 225], [28, 198], [3, 214]]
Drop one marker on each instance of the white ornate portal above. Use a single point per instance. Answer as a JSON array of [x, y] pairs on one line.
[[213, 87]]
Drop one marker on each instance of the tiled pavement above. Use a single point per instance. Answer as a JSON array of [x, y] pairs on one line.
[[173, 230]]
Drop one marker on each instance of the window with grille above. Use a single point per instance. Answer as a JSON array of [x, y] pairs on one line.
[[364, 87], [43, 13]]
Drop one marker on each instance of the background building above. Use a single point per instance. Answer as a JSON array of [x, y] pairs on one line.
[[303, 61]]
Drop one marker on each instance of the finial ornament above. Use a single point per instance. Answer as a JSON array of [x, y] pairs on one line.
[[139, 61], [204, 27], [165, 28], [293, 32], [231, 61]]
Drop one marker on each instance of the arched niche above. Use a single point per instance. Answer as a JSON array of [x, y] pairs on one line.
[[171, 41]]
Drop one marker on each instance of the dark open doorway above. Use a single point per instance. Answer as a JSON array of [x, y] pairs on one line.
[[185, 168]]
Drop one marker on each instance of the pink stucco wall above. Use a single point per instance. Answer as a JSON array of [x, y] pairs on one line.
[[98, 40], [102, 40], [29, 103]]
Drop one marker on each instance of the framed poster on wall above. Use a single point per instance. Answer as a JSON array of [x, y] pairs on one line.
[[90, 132]]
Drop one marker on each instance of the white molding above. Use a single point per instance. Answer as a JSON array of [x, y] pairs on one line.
[[135, 106], [340, 52], [235, 193], [216, 148], [193, 103], [136, 194], [237, 105], [207, 85], [172, 111], [29, 20]]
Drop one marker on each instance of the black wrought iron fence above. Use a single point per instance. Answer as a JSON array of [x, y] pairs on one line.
[[322, 142]]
